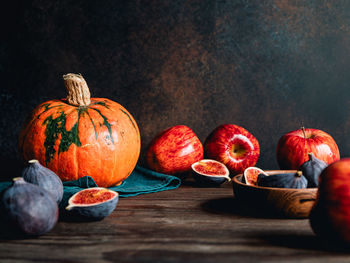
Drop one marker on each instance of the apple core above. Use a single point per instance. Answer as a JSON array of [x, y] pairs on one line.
[[238, 150]]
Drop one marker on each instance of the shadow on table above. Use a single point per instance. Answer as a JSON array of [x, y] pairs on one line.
[[9, 232], [72, 217], [230, 205], [297, 241]]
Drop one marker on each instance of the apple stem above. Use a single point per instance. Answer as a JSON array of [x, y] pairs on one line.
[[303, 129]]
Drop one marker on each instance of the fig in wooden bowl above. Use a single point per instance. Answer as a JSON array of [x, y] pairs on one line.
[[286, 180], [285, 202], [250, 175]]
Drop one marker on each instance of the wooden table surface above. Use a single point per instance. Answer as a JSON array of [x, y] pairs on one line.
[[189, 224]]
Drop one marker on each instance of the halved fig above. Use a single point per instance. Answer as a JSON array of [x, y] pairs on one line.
[[93, 203], [250, 175], [209, 171]]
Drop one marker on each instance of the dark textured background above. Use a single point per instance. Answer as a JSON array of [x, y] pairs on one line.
[[268, 66]]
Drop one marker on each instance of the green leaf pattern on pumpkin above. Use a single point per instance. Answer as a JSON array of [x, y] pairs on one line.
[[31, 121], [57, 126]]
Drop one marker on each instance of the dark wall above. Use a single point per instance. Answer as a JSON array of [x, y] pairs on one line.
[[269, 66]]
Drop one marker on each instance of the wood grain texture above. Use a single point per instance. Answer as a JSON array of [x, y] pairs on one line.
[[190, 224]]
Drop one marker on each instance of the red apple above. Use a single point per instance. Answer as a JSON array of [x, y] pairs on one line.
[[293, 148], [174, 150], [234, 146], [330, 215]]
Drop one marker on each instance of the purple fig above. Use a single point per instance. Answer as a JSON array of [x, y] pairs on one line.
[[37, 174], [29, 208], [286, 180], [312, 169]]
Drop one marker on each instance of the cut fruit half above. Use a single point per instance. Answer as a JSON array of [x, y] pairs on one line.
[[209, 171], [93, 203], [250, 175]]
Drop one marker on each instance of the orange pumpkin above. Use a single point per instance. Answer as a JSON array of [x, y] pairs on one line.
[[79, 136]]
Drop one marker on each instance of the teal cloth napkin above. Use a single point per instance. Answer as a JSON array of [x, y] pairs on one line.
[[140, 181]]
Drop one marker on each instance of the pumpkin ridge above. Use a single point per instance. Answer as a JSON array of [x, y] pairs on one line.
[[105, 123], [132, 122], [33, 120], [101, 103], [47, 107], [86, 110]]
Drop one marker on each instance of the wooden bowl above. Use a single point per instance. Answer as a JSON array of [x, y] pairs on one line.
[[287, 202]]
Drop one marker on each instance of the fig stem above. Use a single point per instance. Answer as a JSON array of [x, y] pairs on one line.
[[311, 156], [78, 90], [18, 180]]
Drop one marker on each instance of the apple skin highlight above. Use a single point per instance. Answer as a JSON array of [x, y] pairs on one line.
[[234, 146]]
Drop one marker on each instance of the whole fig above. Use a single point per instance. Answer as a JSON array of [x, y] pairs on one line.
[[287, 180], [312, 169], [29, 208], [37, 174]]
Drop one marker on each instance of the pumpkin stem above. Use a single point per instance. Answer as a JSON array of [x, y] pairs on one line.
[[78, 90]]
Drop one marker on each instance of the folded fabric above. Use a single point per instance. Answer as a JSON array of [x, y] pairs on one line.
[[140, 181]]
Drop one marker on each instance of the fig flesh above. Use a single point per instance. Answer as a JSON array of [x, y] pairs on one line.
[[287, 180], [29, 208], [210, 172], [93, 203], [37, 174], [250, 175], [312, 169]]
